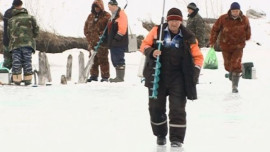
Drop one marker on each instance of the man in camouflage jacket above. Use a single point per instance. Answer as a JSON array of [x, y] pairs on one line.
[[93, 29], [196, 24], [22, 31]]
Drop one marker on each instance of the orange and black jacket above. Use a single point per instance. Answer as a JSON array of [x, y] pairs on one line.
[[118, 30], [192, 57]]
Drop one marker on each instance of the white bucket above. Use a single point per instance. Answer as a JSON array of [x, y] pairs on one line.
[[253, 73], [5, 78]]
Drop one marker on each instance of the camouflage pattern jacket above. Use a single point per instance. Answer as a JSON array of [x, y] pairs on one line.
[[22, 30], [196, 24], [233, 32], [95, 24]]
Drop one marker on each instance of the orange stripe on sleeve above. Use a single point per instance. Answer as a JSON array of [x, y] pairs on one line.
[[149, 39], [196, 54]]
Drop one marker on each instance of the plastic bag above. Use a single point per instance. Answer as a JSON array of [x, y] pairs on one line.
[[141, 66], [211, 61]]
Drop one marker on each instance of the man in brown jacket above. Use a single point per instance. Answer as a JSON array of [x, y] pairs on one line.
[[234, 30], [93, 29]]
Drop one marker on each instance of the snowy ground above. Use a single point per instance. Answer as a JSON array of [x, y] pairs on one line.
[[102, 117], [114, 117]]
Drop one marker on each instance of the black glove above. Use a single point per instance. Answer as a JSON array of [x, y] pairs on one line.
[[197, 71], [118, 37]]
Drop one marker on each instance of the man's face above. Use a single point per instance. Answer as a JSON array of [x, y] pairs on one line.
[[235, 13], [174, 25], [111, 7], [190, 11], [97, 9]]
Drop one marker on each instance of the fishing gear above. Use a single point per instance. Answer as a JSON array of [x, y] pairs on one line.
[[158, 64]]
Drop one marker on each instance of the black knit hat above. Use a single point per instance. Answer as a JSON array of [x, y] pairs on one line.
[[113, 2], [192, 6], [235, 6], [17, 3], [174, 14]]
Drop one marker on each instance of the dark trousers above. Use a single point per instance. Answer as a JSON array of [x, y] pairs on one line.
[[118, 56], [177, 112], [22, 58]]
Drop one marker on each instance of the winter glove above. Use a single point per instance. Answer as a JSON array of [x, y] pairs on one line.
[[118, 37], [197, 70]]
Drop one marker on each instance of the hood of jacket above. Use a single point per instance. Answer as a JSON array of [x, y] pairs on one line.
[[98, 3], [19, 11]]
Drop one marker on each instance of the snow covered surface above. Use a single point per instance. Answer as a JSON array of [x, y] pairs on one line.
[[102, 117]]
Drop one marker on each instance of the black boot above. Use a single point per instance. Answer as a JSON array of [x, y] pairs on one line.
[[104, 80], [92, 78], [161, 140], [230, 76], [176, 144], [235, 81]]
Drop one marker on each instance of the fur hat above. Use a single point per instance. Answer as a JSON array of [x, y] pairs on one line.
[[174, 14], [17, 3], [235, 6], [113, 2], [192, 6]]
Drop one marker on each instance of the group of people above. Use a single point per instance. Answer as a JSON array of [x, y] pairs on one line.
[[180, 54], [21, 30], [112, 30]]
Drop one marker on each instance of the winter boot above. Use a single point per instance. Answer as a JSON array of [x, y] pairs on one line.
[[92, 78], [176, 144], [235, 81], [230, 76], [120, 74], [17, 79], [104, 80], [27, 79], [161, 140]]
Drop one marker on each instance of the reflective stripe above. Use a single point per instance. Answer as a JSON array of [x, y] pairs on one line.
[[178, 126], [158, 124]]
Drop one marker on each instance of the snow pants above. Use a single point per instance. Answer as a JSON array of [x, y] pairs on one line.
[[101, 59], [233, 60], [177, 112], [118, 56], [22, 58]]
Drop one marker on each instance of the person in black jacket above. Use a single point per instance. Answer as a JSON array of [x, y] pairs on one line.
[[181, 60], [117, 39], [7, 55]]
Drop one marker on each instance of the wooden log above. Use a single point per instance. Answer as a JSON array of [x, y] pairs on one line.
[[48, 69], [63, 79], [44, 73], [69, 68], [81, 67]]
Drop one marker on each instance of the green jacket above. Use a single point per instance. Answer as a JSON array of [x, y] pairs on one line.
[[196, 24], [22, 30]]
